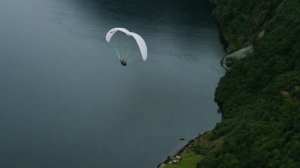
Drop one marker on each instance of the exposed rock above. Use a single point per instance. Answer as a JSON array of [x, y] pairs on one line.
[[239, 54], [161, 165], [261, 34], [178, 157], [284, 93]]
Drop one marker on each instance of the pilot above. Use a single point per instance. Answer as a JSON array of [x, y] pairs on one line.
[[123, 62]]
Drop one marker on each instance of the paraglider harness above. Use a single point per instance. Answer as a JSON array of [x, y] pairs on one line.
[[123, 62]]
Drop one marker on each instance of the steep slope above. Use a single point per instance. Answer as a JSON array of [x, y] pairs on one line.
[[260, 95]]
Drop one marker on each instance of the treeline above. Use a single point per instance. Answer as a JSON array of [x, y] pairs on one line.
[[260, 95]]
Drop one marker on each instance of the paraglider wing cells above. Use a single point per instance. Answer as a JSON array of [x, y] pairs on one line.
[[127, 45], [142, 45]]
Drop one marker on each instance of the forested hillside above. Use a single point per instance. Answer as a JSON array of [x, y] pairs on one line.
[[260, 96]]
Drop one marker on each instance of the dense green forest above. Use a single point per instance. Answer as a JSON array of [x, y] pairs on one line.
[[260, 95]]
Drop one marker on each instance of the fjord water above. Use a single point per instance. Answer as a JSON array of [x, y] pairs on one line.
[[66, 101]]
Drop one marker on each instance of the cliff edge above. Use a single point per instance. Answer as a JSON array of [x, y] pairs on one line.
[[260, 95]]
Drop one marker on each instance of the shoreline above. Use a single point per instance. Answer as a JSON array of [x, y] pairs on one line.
[[181, 151], [205, 141], [260, 96], [187, 146]]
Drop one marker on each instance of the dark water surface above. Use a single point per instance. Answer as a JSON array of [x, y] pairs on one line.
[[65, 100]]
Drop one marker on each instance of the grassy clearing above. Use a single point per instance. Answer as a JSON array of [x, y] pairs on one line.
[[189, 160]]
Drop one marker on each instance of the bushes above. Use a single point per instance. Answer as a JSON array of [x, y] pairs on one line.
[[260, 95]]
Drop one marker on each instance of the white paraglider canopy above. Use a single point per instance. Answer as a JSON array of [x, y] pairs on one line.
[[121, 40]]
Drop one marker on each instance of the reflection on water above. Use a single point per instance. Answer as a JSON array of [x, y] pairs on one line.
[[67, 102]]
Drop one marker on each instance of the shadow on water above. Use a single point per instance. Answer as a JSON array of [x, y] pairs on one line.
[[187, 11], [148, 15]]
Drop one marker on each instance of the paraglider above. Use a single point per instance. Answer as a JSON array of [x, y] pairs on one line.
[[123, 62], [128, 45]]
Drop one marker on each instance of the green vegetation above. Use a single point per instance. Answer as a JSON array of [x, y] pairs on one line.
[[231, 61], [195, 151], [189, 160], [260, 95]]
